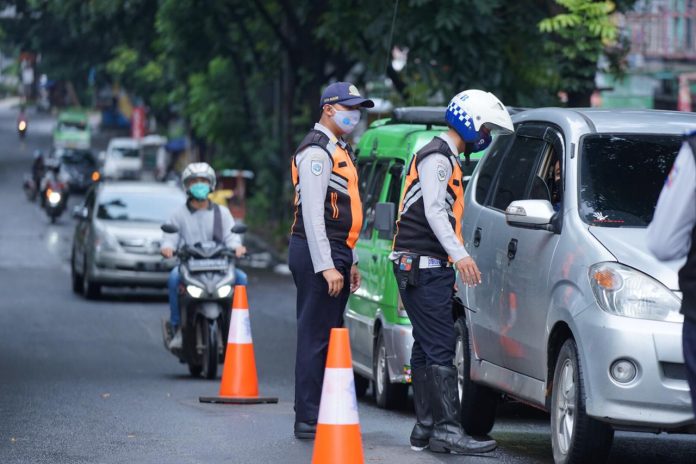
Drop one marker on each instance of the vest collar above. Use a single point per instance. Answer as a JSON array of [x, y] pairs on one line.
[[333, 139], [327, 132], [450, 143]]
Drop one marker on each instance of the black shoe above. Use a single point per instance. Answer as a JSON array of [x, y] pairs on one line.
[[423, 429], [305, 430], [448, 435]]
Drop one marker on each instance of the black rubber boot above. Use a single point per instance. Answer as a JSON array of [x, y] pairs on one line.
[[448, 435], [420, 435]]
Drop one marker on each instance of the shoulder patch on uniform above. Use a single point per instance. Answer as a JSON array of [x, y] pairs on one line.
[[441, 173], [317, 167]]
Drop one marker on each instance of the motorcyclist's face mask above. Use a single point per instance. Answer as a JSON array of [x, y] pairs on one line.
[[199, 190], [484, 140]]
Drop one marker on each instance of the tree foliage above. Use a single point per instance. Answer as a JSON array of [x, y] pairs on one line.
[[247, 74]]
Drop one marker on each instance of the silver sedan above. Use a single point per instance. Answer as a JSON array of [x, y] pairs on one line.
[[117, 237]]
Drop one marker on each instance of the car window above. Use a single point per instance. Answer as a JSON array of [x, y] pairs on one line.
[[396, 174], [364, 169], [621, 177], [126, 152], [517, 171], [372, 193], [491, 162]]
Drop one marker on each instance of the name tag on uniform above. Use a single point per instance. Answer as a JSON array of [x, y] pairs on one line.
[[434, 262]]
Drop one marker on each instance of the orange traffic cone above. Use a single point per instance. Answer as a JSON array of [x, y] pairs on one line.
[[338, 439], [239, 383]]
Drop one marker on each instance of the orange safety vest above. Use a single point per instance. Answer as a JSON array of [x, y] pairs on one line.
[[413, 233], [343, 215]]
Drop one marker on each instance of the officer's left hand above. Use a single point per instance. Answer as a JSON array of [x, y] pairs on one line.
[[355, 279], [468, 271], [240, 251]]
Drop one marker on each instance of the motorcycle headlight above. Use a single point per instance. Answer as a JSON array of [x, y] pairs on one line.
[[624, 291], [105, 241], [224, 291], [53, 197], [194, 291]]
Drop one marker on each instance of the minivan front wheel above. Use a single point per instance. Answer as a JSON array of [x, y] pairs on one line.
[[478, 403], [575, 437]]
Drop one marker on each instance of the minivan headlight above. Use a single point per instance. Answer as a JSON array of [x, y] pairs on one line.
[[624, 291], [105, 241]]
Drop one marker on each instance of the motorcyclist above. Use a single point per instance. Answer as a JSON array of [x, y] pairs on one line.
[[53, 178], [195, 223], [37, 167]]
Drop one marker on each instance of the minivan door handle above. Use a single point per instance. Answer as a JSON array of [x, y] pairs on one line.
[[512, 249], [477, 237]]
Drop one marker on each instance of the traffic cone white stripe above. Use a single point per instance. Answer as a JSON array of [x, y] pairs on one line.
[[240, 328], [338, 404]]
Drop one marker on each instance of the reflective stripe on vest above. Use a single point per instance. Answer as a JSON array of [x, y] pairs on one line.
[[343, 215], [413, 233]]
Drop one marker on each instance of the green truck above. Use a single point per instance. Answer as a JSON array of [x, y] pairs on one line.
[[380, 331], [72, 130]]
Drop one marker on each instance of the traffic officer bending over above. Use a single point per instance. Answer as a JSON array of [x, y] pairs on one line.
[[427, 245], [672, 235], [328, 219]]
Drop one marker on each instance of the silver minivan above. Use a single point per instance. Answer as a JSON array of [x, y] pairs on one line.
[[574, 315]]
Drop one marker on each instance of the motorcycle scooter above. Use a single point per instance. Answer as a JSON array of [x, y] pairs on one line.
[[55, 201], [207, 273], [22, 128]]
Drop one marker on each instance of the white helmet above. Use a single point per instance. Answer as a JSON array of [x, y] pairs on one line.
[[471, 109], [199, 170]]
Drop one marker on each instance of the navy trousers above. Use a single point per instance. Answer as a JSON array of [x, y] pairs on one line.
[[689, 346], [429, 306], [317, 314]]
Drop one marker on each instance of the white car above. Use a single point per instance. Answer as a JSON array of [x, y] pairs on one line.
[[122, 159]]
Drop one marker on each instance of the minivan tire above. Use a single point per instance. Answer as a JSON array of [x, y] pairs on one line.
[[90, 290], [74, 276], [478, 403], [576, 438], [387, 395]]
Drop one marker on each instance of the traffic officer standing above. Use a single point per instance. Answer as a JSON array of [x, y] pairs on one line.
[[328, 219], [427, 245], [672, 235]]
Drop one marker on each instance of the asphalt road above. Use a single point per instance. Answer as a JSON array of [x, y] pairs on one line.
[[89, 381]]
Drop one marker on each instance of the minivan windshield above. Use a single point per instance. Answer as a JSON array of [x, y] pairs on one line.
[[137, 206], [621, 177]]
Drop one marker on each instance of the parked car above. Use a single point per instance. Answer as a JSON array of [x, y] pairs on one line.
[[121, 160], [79, 167], [574, 315], [117, 237], [380, 330], [72, 130]]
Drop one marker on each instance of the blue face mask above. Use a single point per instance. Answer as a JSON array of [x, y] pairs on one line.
[[483, 142], [200, 190]]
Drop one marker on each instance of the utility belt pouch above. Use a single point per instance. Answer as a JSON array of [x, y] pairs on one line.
[[407, 270]]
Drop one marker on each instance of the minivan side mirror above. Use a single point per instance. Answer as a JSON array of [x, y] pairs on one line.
[[80, 212], [530, 214], [384, 220]]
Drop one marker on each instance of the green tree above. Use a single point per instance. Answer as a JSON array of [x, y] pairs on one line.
[[579, 35]]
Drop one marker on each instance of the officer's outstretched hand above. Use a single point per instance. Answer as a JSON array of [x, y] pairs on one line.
[[335, 281], [468, 271], [355, 279]]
